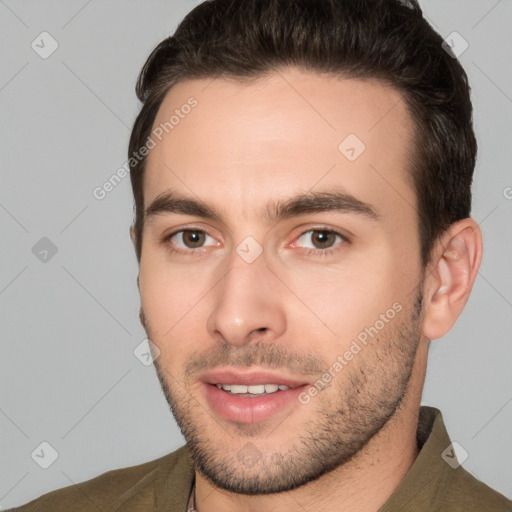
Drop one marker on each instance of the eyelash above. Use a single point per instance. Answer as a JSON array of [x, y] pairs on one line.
[[311, 252]]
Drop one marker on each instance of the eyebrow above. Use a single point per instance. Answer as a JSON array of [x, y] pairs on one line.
[[274, 212]]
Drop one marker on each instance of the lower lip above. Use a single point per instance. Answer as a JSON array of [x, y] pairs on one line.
[[247, 409]]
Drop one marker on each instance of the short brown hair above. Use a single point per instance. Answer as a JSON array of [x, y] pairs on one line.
[[385, 39]]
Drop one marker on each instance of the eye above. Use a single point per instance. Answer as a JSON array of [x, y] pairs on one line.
[[321, 241], [188, 239]]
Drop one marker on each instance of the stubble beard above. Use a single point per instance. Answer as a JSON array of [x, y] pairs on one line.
[[338, 423]]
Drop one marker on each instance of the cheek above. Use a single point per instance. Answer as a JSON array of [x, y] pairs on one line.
[[164, 292], [347, 299], [170, 319], [174, 298]]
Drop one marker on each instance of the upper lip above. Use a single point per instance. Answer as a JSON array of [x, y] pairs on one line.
[[249, 378]]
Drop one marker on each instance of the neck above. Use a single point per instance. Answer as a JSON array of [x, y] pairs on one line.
[[362, 484]]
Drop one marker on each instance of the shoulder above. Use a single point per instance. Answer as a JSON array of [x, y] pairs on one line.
[[467, 493], [454, 487], [457, 488], [133, 487], [437, 480]]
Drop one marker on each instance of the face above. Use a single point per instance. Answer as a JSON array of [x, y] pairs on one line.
[[280, 247]]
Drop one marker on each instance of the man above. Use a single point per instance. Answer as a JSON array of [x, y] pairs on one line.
[[301, 173]]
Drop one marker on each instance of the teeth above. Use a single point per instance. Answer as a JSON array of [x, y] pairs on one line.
[[258, 389]]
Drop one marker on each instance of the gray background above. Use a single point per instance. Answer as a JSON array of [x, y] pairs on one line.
[[68, 375]]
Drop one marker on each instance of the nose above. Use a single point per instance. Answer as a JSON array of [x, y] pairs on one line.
[[249, 305]]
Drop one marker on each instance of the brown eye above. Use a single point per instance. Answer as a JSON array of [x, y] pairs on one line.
[[193, 239], [320, 239], [189, 239], [323, 239]]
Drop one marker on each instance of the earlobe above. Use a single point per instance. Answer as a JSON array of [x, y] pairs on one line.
[[454, 269]]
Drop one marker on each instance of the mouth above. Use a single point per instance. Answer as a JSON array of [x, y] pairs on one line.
[[254, 390], [250, 397]]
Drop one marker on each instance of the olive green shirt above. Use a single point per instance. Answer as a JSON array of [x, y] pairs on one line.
[[433, 483]]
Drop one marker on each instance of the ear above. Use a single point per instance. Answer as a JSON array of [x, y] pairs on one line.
[[452, 272]]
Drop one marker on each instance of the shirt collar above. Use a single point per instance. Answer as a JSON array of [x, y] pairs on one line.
[[421, 485]]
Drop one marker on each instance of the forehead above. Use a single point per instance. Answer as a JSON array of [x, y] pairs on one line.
[[287, 132]]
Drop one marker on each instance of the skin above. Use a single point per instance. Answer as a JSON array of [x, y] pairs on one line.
[[248, 143]]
